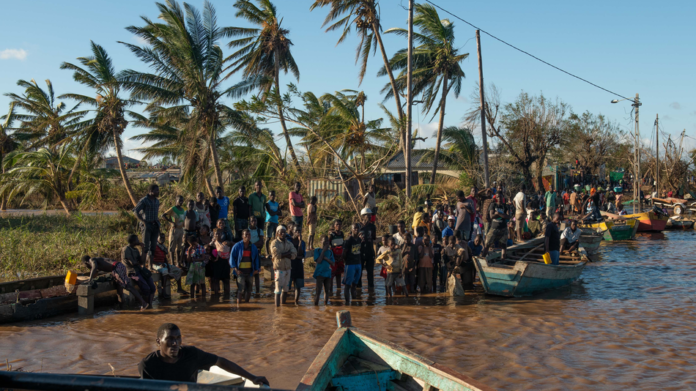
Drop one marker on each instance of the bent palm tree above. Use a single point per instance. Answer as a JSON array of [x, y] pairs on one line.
[[263, 53], [46, 122], [106, 129], [188, 66], [43, 172], [436, 65], [365, 15]]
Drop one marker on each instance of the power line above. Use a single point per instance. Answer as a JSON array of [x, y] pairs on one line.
[[530, 55]]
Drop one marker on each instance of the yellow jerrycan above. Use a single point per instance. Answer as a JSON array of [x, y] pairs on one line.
[[547, 258]]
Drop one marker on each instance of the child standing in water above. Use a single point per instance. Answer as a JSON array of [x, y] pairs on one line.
[[297, 270], [196, 257]]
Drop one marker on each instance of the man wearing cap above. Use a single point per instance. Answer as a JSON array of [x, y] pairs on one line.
[[449, 229], [367, 251], [282, 252]]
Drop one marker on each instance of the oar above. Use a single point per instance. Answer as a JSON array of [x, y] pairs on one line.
[[530, 251]]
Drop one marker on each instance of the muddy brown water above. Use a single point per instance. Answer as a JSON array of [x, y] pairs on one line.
[[628, 323]]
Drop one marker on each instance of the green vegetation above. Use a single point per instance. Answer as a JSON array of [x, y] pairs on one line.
[[53, 244]]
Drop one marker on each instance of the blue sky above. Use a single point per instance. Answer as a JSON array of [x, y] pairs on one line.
[[630, 47]]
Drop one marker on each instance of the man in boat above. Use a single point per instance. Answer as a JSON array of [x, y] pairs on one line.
[[570, 238], [552, 243], [135, 266], [118, 272], [178, 363], [498, 232]]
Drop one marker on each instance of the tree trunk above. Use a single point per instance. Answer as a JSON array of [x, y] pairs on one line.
[[209, 186], [121, 168], [64, 203], [77, 164], [282, 118], [439, 128], [216, 159], [527, 174], [375, 31]]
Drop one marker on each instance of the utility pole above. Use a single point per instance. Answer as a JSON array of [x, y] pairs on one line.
[[409, 100], [657, 154], [636, 187], [483, 112]]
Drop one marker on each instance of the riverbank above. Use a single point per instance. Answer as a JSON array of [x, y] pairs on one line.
[[45, 244]]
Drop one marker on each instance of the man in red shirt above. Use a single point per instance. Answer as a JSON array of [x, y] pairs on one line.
[[296, 203]]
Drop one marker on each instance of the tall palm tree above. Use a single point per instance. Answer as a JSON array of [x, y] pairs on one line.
[[263, 52], [44, 171], [46, 122], [365, 15], [107, 127], [188, 69], [436, 65], [7, 142]]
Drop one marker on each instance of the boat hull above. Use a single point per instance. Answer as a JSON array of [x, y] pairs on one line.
[[617, 230], [375, 364], [649, 221], [591, 243], [524, 278]]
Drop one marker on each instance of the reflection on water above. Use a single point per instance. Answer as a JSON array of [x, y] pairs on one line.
[[626, 324]]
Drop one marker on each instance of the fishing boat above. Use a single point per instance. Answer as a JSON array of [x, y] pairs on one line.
[[615, 229], [651, 221], [678, 222], [354, 360], [523, 272]]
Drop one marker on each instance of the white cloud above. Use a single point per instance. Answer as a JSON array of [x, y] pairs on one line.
[[675, 105], [16, 54], [139, 40]]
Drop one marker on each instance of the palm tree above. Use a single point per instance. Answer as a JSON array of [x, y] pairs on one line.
[[436, 65], [364, 14], [7, 143], [263, 53], [44, 171], [106, 129], [46, 122], [188, 65]]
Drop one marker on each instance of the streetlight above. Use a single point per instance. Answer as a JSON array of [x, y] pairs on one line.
[[636, 166]]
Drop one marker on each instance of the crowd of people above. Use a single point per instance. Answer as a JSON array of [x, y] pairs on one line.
[[212, 244]]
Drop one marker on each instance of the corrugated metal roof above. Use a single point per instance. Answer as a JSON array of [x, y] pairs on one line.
[[399, 163]]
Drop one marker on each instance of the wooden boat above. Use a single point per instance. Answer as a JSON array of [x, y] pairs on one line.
[[523, 272], [619, 229], [679, 223], [650, 221], [355, 360]]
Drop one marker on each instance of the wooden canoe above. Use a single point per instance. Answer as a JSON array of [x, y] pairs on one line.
[[353, 360], [524, 273], [615, 229], [678, 223], [590, 242]]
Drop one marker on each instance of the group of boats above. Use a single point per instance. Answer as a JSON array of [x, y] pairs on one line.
[[523, 272]]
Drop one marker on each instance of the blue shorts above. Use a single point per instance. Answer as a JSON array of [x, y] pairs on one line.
[[352, 276]]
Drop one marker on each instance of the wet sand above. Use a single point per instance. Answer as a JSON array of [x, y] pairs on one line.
[[627, 324]]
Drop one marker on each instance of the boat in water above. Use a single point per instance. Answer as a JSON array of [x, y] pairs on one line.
[[615, 229], [678, 222], [523, 271], [353, 360], [651, 221]]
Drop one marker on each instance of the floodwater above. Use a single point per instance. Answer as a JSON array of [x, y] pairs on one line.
[[628, 323]]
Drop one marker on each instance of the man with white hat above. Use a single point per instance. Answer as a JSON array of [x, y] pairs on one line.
[[282, 252], [368, 233], [449, 230]]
